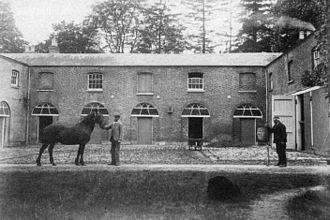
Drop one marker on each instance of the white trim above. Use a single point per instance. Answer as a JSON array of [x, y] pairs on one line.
[[307, 90], [45, 90], [247, 91], [87, 114], [145, 116], [195, 90], [247, 116], [5, 116], [94, 89], [195, 116], [44, 114], [145, 93]]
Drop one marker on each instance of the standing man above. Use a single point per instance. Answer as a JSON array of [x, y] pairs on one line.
[[280, 139], [116, 135]]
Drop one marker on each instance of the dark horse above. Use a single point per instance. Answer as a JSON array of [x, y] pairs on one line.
[[78, 134]]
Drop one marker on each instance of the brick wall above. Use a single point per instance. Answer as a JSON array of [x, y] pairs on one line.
[[221, 97], [15, 97]]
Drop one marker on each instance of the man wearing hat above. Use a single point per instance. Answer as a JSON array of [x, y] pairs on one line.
[[280, 139], [116, 135]]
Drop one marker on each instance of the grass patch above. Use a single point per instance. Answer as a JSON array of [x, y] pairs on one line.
[[310, 205]]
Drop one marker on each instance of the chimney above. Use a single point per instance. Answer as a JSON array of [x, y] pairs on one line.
[[29, 49], [301, 35], [53, 48]]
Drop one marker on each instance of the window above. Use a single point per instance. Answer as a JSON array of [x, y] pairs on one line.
[[290, 71], [270, 84], [94, 106], [14, 78], [247, 82], [95, 81], [144, 110], [195, 110], [144, 83], [195, 82], [316, 58], [46, 81], [45, 109]]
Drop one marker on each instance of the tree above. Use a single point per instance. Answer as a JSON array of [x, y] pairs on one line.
[[200, 13], [72, 38], [10, 38], [256, 29], [118, 22], [158, 32]]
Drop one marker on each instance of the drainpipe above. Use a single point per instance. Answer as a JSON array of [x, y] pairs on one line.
[[266, 78], [28, 108], [311, 109]]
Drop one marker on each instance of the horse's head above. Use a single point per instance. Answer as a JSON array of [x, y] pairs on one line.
[[100, 120]]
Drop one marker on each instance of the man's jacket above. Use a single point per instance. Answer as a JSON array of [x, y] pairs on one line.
[[116, 132], [279, 131]]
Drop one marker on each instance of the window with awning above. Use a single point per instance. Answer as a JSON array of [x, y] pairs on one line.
[[144, 110], [45, 109], [94, 107], [247, 111], [195, 110]]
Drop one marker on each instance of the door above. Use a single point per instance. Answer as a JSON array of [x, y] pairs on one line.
[[44, 121], [195, 128], [4, 131], [300, 122], [144, 130], [248, 131], [283, 106]]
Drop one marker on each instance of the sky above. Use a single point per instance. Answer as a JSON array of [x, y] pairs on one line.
[[34, 18]]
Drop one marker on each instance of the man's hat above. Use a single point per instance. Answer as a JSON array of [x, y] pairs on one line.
[[276, 118]]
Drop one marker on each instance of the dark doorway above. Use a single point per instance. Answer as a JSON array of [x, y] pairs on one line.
[[195, 128], [302, 121], [248, 131], [44, 121]]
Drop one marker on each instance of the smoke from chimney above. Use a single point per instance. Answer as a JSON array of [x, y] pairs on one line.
[[285, 21]]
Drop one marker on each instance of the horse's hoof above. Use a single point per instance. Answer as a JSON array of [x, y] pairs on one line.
[[82, 164], [38, 164], [54, 164]]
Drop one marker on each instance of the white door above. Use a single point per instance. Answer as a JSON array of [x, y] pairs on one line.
[[284, 107]]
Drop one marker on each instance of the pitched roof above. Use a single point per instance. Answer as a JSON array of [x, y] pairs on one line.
[[64, 59]]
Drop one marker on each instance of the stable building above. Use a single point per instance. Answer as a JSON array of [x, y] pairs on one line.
[[161, 97]]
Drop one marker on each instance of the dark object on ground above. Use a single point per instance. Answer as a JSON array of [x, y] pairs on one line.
[[222, 189], [78, 134]]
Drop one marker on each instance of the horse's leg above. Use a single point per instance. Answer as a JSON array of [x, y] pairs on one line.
[[42, 148], [82, 154], [76, 161], [50, 150]]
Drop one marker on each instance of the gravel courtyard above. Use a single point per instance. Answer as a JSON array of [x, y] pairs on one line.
[[178, 153]]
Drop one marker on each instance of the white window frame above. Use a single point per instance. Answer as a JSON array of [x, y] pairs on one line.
[[316, 58], [92, 80], [197, 82], [271, 81], [14, 78]]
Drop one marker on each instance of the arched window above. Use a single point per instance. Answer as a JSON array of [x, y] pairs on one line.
[[45, 109], [195, 110], [247, 111], [144, 110], [94, 106], [4, 109]]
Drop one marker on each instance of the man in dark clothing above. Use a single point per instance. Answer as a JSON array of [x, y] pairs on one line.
[[280, 139], [116, 134]]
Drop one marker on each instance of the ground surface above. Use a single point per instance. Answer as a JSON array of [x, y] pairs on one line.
[[159, 154], [153, 182]]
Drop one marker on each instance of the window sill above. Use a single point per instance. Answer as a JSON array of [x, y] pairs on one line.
[[94, 90], [145, 93], [14, 87], [247, 91], [270, 90], [45, 90], [196, 91], [290, 82]]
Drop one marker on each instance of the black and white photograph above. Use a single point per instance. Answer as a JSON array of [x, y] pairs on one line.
[[164, 109]]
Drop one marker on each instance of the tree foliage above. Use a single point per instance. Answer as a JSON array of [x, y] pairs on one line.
[[10, 38], [158, 32]]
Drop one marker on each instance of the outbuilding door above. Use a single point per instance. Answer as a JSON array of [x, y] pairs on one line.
[[283, 106], [44, 121], [195, 125], [144, 130], [248, 131]]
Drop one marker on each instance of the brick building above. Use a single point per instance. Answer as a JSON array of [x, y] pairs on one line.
[[305, 111], [162, 98]]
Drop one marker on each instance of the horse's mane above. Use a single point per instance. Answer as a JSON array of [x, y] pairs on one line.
[[88, 119]]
